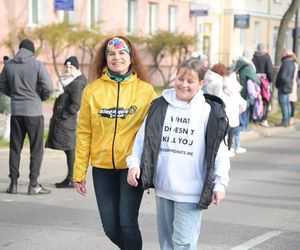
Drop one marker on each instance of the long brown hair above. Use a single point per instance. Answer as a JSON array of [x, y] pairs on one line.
[[99, 63]]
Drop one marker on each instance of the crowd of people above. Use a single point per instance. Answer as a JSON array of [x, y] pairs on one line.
[[252, 80], [135, 140]]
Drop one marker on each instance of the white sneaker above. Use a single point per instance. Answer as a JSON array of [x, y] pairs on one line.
[[265, 123], [292, 121], [240, 150], [231, 153]]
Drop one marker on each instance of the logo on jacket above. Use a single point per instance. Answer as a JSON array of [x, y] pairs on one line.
[[119, 113]]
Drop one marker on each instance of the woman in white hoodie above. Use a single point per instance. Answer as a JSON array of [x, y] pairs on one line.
[[217, 82], [172, 155]]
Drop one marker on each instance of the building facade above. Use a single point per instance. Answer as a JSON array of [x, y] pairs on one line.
[[224, 28]]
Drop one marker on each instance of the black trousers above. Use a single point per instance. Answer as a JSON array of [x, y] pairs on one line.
[[70, 154], [118, 204], [33, 126]]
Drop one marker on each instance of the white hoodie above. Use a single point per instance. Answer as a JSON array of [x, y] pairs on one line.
[[181, 166]]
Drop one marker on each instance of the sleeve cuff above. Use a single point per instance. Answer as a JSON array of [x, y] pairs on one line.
[[219, 188], [132, 162]]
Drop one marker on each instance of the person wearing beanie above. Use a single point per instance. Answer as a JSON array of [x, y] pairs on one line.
[[62, 132], [28, 83], [72, 60], [27, 44], [264, 67]]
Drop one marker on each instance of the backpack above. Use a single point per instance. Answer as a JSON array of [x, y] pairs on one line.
[[258, 109], [265, 87], [255, 99], [253, 90]]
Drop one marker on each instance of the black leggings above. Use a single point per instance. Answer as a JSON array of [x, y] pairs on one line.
[[118, 205], [70, 162], [292, 109]]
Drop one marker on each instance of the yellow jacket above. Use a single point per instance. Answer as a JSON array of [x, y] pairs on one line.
[[103, 140]]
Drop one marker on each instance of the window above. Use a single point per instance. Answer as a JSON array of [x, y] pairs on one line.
[[153, 18], [257, 33], [33, 14], [172, 19], [68, 16], [132, 16], [37, 12], [94, 10]]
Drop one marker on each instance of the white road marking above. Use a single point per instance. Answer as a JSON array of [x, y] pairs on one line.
[[257, 240]]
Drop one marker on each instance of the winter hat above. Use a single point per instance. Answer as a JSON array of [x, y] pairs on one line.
[[72, 60], [27, 44], [261, 47]]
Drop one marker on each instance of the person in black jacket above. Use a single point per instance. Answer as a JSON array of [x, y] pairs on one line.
[[62, 128], [264, 66], [284, 84]]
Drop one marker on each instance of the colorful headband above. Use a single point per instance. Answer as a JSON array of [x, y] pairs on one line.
[[117, 43]]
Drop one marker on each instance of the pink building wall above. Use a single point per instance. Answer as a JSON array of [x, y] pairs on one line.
[[14, 13]]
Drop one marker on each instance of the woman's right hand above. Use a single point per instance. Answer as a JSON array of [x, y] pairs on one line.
[[80, 187], [133, 176]]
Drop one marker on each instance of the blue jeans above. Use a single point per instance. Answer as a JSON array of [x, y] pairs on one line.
[[245, 119], [178, 224], [285, 106], [118, 205], [236, 135]]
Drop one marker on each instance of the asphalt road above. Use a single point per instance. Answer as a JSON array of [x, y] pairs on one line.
[[261, 210]]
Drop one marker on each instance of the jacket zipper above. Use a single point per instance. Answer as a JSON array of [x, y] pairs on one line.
[[115, 131]]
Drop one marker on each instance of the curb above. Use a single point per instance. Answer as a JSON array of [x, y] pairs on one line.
[[261, 132]]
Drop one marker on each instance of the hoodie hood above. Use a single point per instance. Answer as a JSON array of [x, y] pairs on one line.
[[170, 96], [245, 71], [258, 54], [213, 83], [231, 84], [23, 55]]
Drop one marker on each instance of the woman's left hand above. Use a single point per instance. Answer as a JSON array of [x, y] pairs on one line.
[[217, 197], [133, 176]]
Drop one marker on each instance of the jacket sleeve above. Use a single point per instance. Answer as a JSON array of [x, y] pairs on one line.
[[74, 99], [286, 76], [4, 84], [44, 83], [83, 139], [134, 160], [222, 166]]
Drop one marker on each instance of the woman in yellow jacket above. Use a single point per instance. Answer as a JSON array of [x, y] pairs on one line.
[[112, 110]]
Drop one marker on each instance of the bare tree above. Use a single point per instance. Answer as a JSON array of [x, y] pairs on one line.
[[287, 17], [174, 48], [58, 37]]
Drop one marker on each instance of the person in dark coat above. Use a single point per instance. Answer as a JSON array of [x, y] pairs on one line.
[[264, 66], [62, 128], [284, 84]]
